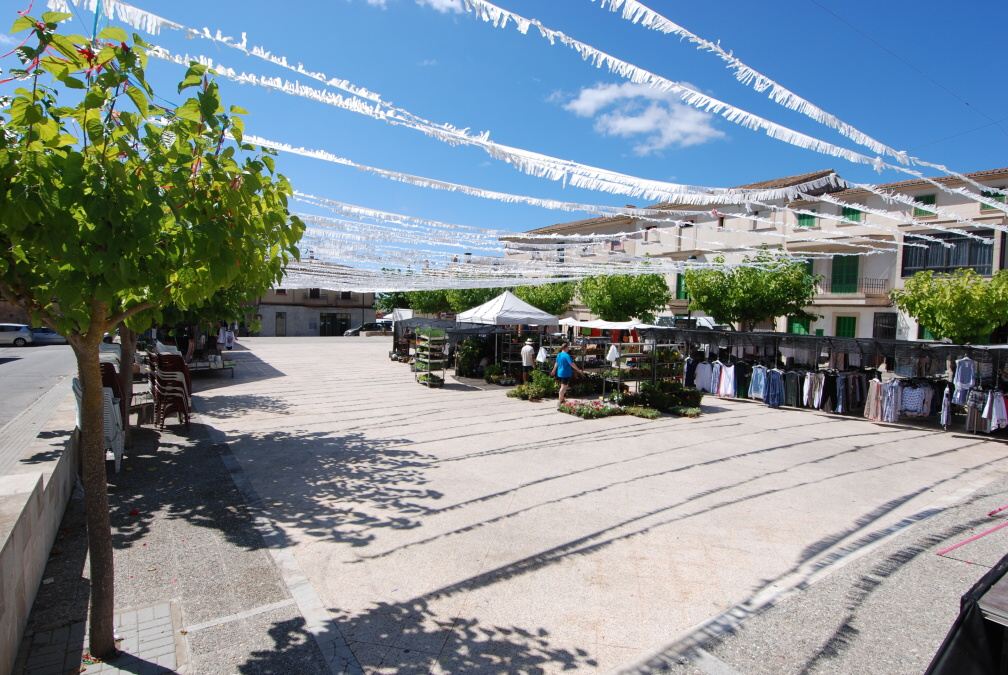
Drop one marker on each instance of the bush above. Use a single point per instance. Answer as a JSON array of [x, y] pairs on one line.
[[684, 411], [468, 353], [641, 411], [664, 396], [492, 373], [545, 382], [529, 392]]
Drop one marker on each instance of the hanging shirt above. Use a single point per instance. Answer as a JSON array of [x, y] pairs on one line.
[[702, 376], [757, 386], [727, 385], [946, 409], [965, 375]]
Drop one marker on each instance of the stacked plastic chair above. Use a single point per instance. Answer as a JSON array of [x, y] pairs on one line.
[[113, 435], [171, 387]]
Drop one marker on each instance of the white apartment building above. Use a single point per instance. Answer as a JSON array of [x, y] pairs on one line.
[[853, 295]]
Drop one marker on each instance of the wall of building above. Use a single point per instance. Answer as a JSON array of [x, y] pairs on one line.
[[306, 321]]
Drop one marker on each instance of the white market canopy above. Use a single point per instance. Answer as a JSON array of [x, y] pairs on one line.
[[507, 309], [604, 325]]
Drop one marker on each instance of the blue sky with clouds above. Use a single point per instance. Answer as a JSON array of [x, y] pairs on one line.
[[922, 76]]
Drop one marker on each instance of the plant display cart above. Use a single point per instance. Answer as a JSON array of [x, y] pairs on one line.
[[431, 358]]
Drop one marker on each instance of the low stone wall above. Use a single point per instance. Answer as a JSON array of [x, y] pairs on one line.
[[32, 504]]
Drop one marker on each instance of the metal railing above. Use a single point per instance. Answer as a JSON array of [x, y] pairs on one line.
[[867, 286]]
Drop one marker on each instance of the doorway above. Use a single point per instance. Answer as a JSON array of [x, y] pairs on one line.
[[281, 324], [333, 323]]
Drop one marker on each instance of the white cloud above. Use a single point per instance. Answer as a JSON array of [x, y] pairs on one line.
[[7, 39], [444, 6], [378, 3], [656, 118], [427, 63]]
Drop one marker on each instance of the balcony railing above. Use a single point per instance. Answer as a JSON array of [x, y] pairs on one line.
[[864, 286]]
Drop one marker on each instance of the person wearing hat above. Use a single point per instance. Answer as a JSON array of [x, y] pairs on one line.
[[528, 359]]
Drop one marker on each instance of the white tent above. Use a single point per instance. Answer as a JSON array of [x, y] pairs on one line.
[[507, 309], [604, 325]]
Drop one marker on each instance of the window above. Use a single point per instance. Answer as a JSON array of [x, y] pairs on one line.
[[281, 291], [846, 326], [965, 253], [807, 219], [844, 274], [884, 327], [924, 334], [798, 326], [720, 222], [927, 200], [314, 293], [345, 295], [850, 213], [560, 254], [992, 196], [680, 287]]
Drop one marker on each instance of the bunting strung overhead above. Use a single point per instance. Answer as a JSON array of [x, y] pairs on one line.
[[500, 17], [638, 13]]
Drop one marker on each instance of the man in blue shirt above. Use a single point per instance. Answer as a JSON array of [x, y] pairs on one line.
[[564, 369]]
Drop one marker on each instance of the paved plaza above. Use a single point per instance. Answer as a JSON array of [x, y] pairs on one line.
[[326, 513]]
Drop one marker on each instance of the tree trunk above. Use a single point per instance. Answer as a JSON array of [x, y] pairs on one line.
[[92, 447], [128, 341]]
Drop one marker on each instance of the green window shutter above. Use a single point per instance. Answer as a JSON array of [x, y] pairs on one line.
[[924, 334], [928, 200], [846, 326], [845, 274], [992, 196], [850, 213], [808, 268], [806, 220], [798, 326], [819, 332], [680, 287]]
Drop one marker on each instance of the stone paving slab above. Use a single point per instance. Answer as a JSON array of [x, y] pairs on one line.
[[456, 530], [324, 500]]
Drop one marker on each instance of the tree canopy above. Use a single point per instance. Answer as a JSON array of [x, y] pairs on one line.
[[111, 209], [747, 295], [963, 306], [386, 302], [461, 299], [622, 297], [428, 302], [551, 298]]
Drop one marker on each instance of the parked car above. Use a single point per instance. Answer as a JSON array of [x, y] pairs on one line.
[[371, 326], [17, 334], [47, 336]]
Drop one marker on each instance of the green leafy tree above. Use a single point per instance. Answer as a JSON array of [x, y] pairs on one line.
[[963, 306], [622, 297], [553, 299], [748, 294], [106, 217], [428, 302], [386, 302], [461, 299]]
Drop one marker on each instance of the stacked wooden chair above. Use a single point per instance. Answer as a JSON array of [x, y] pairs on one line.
[[171, 387]]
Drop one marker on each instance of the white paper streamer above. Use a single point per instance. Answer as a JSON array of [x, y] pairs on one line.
[[638, 13]]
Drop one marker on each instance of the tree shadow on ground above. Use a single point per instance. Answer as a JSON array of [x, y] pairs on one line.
[[337, 487], [410, 637], [55, 447], [232, 406]]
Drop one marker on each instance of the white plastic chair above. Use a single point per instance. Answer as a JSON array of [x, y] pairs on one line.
[[113, 436]]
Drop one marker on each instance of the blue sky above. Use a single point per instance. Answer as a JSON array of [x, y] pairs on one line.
[[919, 76]]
